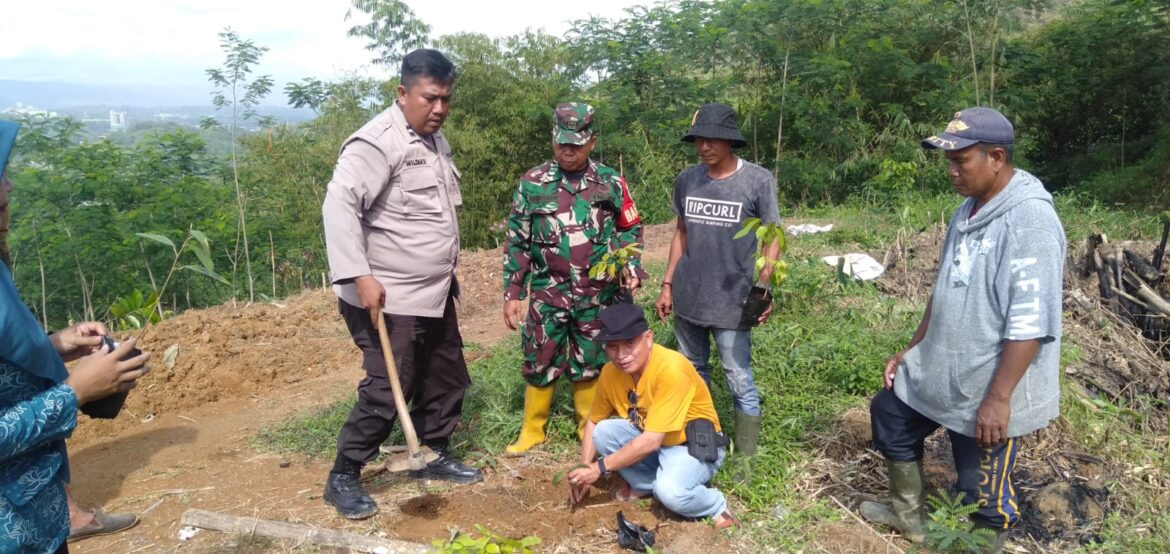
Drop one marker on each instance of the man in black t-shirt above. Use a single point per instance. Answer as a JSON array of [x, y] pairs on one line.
[[709, 273]]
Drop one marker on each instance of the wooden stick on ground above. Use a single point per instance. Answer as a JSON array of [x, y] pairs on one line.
[[868, 526], [302, 533]]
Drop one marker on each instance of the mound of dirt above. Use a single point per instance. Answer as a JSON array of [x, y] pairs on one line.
[[231, 352], [227, 352], [1059, 509]]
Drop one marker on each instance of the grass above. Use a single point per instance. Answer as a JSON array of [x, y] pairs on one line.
[[314, 433], [820, 354]]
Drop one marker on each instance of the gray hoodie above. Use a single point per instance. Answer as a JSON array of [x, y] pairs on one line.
[[1000, 278]]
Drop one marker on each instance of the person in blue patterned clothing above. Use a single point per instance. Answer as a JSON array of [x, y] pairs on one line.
[[39, 401]]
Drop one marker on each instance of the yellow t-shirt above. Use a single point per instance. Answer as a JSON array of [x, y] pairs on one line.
[[669, 394]]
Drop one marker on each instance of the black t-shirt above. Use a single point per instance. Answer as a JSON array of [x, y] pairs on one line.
[[716, 272]]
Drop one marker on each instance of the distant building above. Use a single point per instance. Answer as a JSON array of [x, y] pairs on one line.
[[28, 111], [117, 121]]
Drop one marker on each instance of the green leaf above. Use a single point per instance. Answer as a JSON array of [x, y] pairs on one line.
[[206, 272], [204, 258], [202, 238], [558, 476], [157, 238], [750, 224]]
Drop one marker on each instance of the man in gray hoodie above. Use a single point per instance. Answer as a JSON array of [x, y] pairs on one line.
[[984, 361]]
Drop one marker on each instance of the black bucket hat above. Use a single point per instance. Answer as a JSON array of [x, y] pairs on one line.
[[715, 121]]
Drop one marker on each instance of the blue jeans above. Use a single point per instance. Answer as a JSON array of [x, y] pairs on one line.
[[676, 478], [735, 351]]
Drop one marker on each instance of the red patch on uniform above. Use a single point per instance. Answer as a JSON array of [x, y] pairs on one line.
[[628, 216]]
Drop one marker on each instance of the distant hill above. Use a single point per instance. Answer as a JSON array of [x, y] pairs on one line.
[[56, 95]]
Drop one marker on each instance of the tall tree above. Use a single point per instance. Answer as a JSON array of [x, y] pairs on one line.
[[238, 91], [392, 32]]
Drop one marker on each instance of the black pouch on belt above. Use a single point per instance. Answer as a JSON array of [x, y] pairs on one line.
[[703, 441]]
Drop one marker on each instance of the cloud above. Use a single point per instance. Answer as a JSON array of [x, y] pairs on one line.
[[144, 41]]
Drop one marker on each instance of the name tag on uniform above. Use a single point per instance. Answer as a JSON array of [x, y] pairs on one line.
[[542, 198], [596, 195], [415, 162]]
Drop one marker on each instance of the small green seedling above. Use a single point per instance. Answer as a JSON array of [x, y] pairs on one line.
[[614, 261], [486, 543], [948, 529], [766, 235]]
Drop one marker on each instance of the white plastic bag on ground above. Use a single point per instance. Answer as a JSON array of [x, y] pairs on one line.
[[809, 229], [861, 266]]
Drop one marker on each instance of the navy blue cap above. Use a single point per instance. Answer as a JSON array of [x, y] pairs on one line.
[[973, 126], [622, 322]]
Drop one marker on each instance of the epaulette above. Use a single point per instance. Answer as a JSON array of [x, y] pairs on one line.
[[538, 174], [374, 128], [605, 174]]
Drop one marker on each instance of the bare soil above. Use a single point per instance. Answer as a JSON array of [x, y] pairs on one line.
[[183, 440]]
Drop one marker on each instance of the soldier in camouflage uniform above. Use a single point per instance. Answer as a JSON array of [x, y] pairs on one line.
[[566, 214]]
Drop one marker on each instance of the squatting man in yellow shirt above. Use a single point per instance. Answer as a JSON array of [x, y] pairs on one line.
[[666, 439]]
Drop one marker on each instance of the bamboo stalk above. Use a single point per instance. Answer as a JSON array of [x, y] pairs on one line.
[[780, 126], [1154, 301], [272, 257], [1161, 250]]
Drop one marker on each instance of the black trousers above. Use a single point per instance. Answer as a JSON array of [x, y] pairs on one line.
[[984, 474], [428, 352]]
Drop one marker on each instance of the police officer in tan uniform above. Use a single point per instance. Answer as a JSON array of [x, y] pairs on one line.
[[393, 244]]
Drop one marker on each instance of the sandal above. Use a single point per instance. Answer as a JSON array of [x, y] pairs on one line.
[[626, 494], [103, 524], [724, 520]]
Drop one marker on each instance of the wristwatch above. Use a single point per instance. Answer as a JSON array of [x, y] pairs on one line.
[[601, 466]]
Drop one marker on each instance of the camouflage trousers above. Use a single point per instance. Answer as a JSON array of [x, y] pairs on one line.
[[556, 340]]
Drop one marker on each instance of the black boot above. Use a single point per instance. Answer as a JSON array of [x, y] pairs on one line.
[[344, 492], [448, 468]]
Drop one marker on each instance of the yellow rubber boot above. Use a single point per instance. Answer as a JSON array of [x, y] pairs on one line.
[[537, 402], [583, 403]]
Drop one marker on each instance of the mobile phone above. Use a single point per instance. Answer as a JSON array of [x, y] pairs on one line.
[[111, 344]]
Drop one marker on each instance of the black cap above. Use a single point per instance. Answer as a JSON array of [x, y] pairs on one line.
[[715, 121], [622, 322]]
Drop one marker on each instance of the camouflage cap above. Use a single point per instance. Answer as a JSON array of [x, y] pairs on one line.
[[574, 123]]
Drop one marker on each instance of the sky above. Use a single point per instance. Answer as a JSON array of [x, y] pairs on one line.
[[172, 42]]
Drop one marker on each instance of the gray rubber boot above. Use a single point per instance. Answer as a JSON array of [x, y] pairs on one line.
[[747, 433], [904, 512], [997, 541], [747, 439]]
